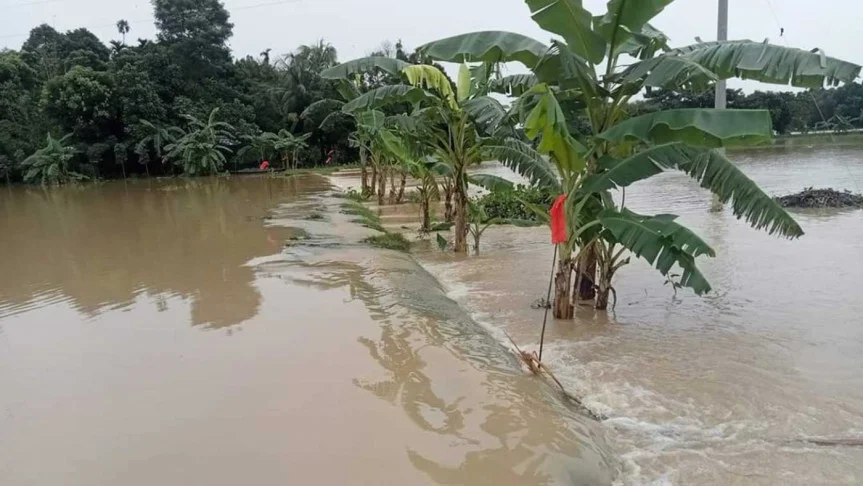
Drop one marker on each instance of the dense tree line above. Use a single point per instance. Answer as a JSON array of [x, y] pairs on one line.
[[835, 109], [72, 107]]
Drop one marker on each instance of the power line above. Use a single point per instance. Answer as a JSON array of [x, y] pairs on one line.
[[812, 96]]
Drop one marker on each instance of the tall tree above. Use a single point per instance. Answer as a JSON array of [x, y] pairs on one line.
[[197, 32], [123, 28]]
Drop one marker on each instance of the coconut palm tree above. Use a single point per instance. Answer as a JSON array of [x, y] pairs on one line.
[[585, 72], [123, 28]]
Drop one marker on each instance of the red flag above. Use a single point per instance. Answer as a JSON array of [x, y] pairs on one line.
[[265, 165], [558, 221]]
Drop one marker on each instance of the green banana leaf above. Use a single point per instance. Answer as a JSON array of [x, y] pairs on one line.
[[488, 46], [669, 72], [625, 17], [365, 65], [698, 127], [491, 183], [513, 85], [386, 95], [486, 112], [769, 63], [570, 20], [522, 159], [661, 242], [712, 170]]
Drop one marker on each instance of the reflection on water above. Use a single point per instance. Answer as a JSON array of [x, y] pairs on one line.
[[336, 363], [102, 247], [724, 389]]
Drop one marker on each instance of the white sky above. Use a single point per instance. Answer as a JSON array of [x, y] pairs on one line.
[[356, 27]]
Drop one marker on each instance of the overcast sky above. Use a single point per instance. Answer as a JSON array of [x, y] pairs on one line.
[[356, 27]]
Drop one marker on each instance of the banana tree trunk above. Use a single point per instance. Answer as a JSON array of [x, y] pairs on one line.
[[382, 186], [364, 171], [449, 213], [426, 212], [401, 195], [374, 179], [461, 229], [587, 281], [563, 308], [392, 186], [604, 289]]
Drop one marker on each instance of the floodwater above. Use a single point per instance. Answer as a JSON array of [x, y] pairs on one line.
[[234, 331], [739, 387]]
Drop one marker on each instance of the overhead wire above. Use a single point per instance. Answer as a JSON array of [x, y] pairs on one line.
[[809, 91]]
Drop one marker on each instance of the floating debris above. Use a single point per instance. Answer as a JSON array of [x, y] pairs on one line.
[[822, 198]]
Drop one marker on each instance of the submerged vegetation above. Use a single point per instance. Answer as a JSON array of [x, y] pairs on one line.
[[389, 241]]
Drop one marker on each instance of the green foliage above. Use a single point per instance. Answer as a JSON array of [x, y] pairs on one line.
[[516, 204], [587, 140], [202, 149], [390, 241], [51, 164], [122, 104]]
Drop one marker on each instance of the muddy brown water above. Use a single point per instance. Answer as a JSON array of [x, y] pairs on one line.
[[205, 332], [760, 382]]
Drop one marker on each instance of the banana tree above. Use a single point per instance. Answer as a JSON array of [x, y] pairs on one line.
[[457, 120], [51, 164], [401, 144], [154, 138], [595, 65], [201, 150], [349, 76], [479, 223]]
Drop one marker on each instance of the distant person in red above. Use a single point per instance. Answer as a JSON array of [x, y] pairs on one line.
[[330, 155], [265, 165]]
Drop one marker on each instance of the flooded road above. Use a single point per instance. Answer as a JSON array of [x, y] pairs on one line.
[[728, 389], [210, 332]]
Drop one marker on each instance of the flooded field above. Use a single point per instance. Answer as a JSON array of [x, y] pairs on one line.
[[211, 331], [207, 332], [736, 388]]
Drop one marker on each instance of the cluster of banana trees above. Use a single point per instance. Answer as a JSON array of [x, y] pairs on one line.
[[592, 70], [441, 130], [284, 145]]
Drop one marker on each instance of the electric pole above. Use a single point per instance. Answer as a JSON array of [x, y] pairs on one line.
[[722, 35], [721, 94]]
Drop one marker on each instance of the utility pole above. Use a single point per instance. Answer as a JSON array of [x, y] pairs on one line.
[[721, 94], [722, 35]]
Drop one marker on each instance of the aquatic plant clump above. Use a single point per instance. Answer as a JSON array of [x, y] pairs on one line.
[[822, 198], [389, 241]]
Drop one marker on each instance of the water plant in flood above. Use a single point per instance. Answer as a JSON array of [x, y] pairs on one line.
[[479, 221], [389, 241], [585, 78]]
